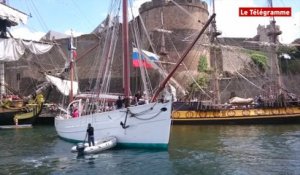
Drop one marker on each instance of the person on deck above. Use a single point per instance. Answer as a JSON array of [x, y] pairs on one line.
[[126, 102], [75, 113], [138, 96], [119, 103], [90, 134]]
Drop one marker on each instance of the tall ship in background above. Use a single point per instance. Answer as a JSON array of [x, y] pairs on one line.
[[215, 70], [220, 66], [226, 80], [17, 108]]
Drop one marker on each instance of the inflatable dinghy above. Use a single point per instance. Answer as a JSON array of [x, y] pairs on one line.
[[100, 145]]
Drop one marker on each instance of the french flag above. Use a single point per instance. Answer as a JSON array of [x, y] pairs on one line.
[[144, 59]]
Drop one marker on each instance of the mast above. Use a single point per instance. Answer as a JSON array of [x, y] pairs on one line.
[[163, 42], [71, 96], [126, 79], [3, 31], [214, 59], [273, 39], [163, 84]]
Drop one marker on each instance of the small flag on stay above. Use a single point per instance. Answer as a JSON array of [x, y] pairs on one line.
[[70, 45]]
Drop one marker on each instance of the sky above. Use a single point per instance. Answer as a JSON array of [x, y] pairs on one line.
[[83, 16]]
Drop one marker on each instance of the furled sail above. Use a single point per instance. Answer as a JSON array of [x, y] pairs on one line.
[[13, 49], [241, 101], [12, 15], [64, 86]]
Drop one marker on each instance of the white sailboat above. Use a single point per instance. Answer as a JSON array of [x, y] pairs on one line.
[[147, 125]]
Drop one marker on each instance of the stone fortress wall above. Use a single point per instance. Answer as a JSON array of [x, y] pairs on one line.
[[183, 27]]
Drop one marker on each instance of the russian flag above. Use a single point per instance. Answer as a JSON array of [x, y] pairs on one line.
[[143, 59]]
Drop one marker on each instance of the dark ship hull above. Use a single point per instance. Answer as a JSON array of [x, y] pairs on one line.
[[7, 116], [196, 113]]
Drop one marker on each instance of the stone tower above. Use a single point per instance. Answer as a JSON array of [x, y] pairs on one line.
[[172, 26]]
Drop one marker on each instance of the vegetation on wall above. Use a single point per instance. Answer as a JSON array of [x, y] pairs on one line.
[[202, 64], [202, 78], [202, 81], [292, 64], [260, 60]]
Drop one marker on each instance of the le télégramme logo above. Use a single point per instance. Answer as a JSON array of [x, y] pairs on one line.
[[265, 11]]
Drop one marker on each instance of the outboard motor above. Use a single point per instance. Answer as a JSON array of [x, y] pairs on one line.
[[80, 149]]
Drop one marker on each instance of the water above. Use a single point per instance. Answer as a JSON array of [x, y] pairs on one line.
[[211, 150]]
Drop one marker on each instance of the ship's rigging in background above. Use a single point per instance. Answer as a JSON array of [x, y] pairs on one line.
[[16, 108], [216, 69], [273, 103]]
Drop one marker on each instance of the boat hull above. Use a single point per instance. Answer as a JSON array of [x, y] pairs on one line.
[[191, 114], [100, 145], [7, 116], [145, 125]]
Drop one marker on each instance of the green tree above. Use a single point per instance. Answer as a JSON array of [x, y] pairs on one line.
[[202, 64]]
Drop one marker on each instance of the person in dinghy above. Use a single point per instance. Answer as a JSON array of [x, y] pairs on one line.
[[90, 134]]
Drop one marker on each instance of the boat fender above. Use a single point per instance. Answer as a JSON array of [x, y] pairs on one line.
[[16, 122]]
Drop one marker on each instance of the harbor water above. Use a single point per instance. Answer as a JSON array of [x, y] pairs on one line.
[[200, 149]]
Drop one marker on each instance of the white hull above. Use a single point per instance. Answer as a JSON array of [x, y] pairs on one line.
[[149, 127]]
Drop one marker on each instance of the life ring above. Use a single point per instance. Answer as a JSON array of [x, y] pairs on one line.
[[289, 110], [198, 114], [202, 114], [176, 114], [231, 113], [189, 114], [259, 112], [216, 114], [275, 111], [246, 112]]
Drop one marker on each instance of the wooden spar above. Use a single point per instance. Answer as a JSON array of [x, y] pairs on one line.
[[71, 97], [126, 79], [163, 84], [38, 91]]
